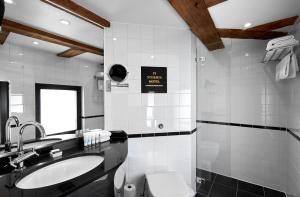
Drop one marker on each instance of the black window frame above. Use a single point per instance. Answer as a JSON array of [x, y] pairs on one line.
[[4, 108], [40, 86]]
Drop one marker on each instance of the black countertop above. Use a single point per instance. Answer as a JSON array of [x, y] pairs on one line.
[[114, 153]]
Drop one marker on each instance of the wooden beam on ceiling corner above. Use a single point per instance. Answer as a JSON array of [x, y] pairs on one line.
[[70, 53], [276, 24], [73, 8], [14, 27], [196, 15], [250, 34], [210, 3], [3, 36]]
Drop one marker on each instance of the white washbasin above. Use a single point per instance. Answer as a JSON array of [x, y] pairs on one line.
[[60, 172]]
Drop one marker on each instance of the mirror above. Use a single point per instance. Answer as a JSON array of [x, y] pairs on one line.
[[117, 73], [27, 70]]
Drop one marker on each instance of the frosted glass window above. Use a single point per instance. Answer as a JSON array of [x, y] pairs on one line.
[[58, 110], [16, 104]]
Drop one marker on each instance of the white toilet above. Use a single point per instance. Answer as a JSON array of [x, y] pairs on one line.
[[167, 184]]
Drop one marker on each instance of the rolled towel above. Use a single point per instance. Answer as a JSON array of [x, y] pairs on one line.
[[102, 133], [105, 133], [104, 139], [280, 42]]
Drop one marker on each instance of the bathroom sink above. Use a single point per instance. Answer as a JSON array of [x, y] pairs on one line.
[[59, 172]]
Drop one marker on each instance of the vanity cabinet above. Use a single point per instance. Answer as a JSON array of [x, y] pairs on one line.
[[102, 187]]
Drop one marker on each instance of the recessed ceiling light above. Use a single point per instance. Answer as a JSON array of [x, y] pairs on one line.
[[114, 39], [247, 25], [20, 54], [152, 57], [9, 1], [35, 43], [247, 54], [64, 22]]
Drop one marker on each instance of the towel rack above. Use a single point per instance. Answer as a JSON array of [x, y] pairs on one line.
[[278, 53]]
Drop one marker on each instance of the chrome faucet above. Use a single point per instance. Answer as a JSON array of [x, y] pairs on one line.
[[19, 161], [8, 131], [39, 127]]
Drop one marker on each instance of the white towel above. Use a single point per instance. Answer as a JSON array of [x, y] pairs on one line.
[[293, 67], [102, 133], [282, 68], [105, 133], [282, 42], [287, 67], [104, 139]]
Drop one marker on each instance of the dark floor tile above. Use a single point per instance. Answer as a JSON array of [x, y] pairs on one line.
[[273, 193], [219, 190], [227, 181], [204, 187], [251, 188], [205, 174], [200, 195], [245, 194]]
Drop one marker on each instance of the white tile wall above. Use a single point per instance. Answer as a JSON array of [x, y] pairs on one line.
[[234, 86], [173, 153], [135, 45], [23, 67], [293, 174]]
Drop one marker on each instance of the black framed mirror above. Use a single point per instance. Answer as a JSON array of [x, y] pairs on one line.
[[117, 73]]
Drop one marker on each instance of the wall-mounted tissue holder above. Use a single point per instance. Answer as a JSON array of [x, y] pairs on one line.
[[99, 76], [117, 73], [119, 85]]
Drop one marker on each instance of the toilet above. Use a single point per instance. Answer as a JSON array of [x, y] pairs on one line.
[[167, 184], [119, 181]]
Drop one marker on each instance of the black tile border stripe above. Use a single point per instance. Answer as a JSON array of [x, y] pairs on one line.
[[95, 116], [243, 125], [141, 135], [294, 134], [252, 126]]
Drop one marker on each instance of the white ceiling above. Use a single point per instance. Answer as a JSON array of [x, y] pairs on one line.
[[235, 13], [147, 12], [230, 14]]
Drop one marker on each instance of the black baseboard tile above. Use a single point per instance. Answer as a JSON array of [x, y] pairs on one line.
[[290, 131], [242, 125], [185, 132], [148, 134], [161, 134], [141, 135], [134, 135], [284, 129], [89, 117], [173, 133]]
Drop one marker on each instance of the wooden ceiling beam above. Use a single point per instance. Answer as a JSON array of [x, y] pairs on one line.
[[73, 8], [250, 34], [275, 24], [3, 36], [196, 15], [70, 53], [14, 27], [210, 3]]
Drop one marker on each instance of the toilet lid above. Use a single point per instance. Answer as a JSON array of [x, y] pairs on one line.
[[168, 184]]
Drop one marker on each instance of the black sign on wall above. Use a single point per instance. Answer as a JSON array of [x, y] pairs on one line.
[[154, 79]]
